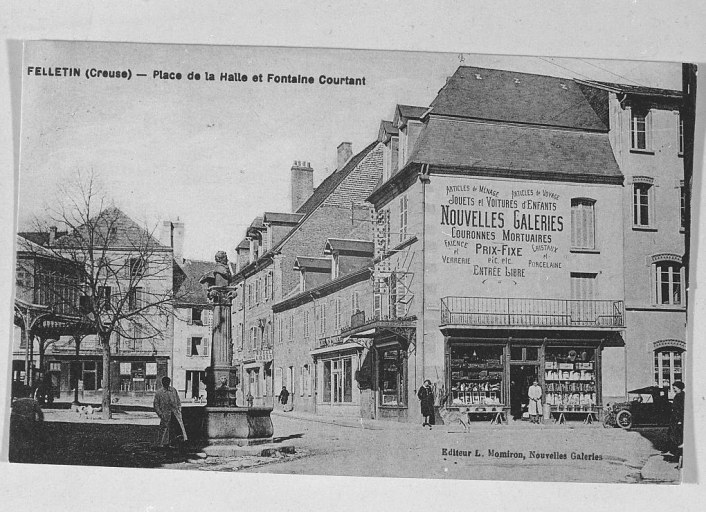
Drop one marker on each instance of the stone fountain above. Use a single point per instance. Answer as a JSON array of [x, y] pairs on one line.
[[221, 420]]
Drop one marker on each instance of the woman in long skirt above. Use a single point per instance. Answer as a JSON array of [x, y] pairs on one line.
[[426, 398]]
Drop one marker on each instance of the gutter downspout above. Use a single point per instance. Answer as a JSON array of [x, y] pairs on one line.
[[424, 178]]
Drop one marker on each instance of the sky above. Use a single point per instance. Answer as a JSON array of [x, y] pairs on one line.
[[216, 154]]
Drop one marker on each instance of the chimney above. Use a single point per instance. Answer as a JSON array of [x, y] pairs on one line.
[[345, 152], [178, 239], [302, 185], [172, 235], [52, 235]]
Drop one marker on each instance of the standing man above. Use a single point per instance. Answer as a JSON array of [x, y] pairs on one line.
[[426, 399], [535, 401], [168, 408], [283, 396], [676, 421]]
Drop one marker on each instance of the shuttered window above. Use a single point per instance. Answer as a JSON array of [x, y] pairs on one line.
[[583, 231]]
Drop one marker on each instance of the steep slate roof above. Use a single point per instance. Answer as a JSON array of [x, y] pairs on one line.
[[126, 232], [410, 111], [333, 180], [509, 96], [387, 130], [187, 288], [311, 263], [488, 146], [637, 90], [345, 245]]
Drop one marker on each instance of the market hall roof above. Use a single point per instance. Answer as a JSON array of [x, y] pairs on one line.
[[512, 97]]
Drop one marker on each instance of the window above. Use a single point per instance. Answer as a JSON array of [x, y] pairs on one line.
[[377, 306], [680, 134], [196, 316], [250, 299], [290, 380], [668, 290], [266, 335], [392, 377], [291, 327], [322, 319], [135, 299], [582, 286], [137, 267], [642, 192], [306, 381], [103, 297], [258, 291], [239, 334], [337, 315], [639, 130], [306, 324], [23, 279], [279, 329], [266, 288], [682, 207], [197, 347], [355, 302], [669, 366], [403, 218], [337, 378], [583, 224]]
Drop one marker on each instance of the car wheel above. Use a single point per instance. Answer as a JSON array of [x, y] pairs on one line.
[[624, 419]]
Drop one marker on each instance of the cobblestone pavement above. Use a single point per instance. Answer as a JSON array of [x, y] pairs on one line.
[[510, 452]]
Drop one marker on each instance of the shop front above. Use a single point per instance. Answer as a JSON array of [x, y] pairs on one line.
[[487, 374], [383, 377], [337, 393]]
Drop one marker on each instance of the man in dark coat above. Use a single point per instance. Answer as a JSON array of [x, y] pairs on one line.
[[283, 396], [676, 421], [426, 398]]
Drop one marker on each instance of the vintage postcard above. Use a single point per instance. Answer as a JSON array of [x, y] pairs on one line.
[[358, 263]]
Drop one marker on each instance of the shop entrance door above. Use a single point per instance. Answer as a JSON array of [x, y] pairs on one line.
[[521, 377]]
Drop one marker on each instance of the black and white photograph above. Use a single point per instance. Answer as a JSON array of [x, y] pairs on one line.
[[352, 263]]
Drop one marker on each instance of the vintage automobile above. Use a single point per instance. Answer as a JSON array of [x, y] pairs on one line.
[[648, 406]]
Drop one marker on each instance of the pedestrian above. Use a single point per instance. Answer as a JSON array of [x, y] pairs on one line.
[[426, 399], [676, 420], [535, 402], [168, 408], [283, 396]]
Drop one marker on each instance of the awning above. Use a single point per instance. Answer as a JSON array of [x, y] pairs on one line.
[[336, 348], [256, 364]]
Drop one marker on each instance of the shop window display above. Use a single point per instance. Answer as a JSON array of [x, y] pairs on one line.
[[392, 377], [570, 378], [476, 376]]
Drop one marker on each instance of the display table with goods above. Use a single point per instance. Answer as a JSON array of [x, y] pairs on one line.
[[476, 383]]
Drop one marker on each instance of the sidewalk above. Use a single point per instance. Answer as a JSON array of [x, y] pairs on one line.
[[370, 424]]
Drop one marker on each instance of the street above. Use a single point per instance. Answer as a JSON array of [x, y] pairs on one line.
[[520, 451]]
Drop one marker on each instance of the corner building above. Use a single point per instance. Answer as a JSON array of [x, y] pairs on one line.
[[500, 243]]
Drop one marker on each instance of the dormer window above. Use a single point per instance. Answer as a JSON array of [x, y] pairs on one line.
[[640, 136]]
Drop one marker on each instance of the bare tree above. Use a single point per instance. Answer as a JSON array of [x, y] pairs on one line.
[[124, 274]]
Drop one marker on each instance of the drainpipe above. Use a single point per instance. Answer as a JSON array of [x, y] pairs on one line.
[[424, 179]]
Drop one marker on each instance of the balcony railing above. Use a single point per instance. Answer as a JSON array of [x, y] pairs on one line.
[[505, 312]]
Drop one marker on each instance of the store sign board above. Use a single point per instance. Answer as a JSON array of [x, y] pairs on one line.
[[501, 231]]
